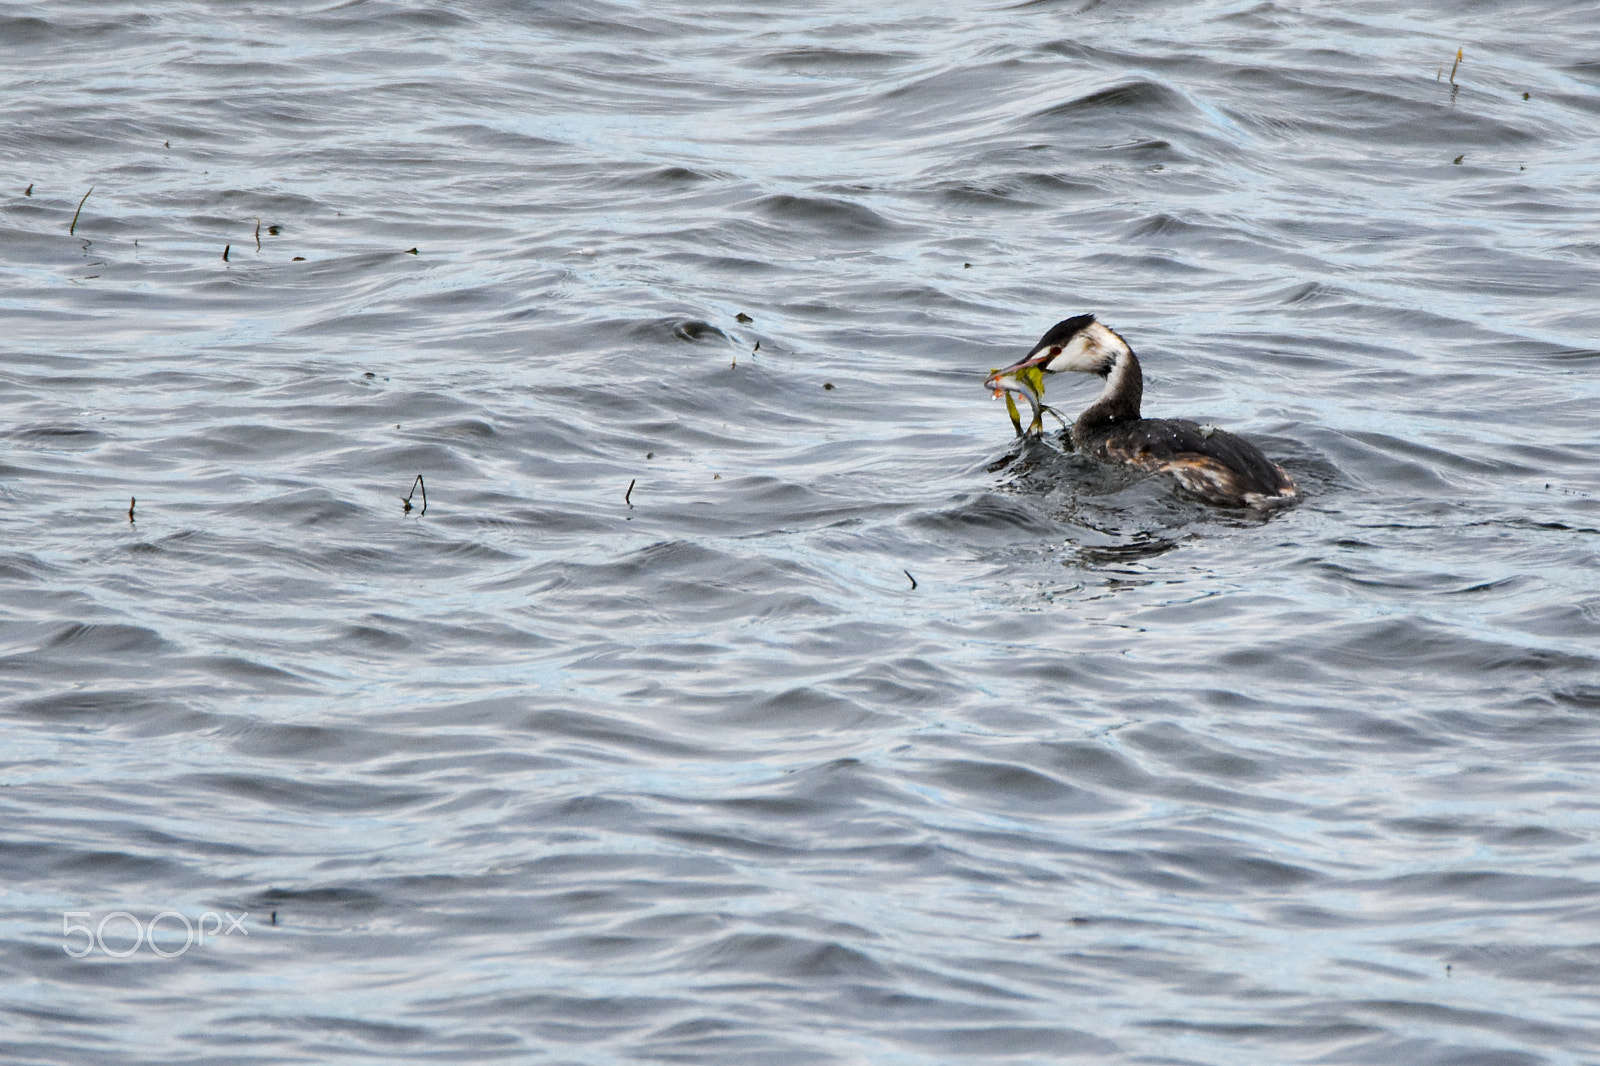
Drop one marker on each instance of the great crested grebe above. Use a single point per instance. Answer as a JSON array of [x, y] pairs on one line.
[[1210, 463]]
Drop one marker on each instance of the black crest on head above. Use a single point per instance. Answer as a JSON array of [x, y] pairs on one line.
[[1063, 331]]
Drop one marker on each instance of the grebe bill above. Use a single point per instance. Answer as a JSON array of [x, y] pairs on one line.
[[1210, 463]]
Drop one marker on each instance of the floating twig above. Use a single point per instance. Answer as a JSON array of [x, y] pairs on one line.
[[72, 229], [406, 499], [258, 235], [1454, 65], [626, 495], [132, 501], [226, 248], [913, 580], [29, 190]]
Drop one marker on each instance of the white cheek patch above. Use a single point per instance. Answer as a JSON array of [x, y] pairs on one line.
[[1073, 358], [1085, 353]]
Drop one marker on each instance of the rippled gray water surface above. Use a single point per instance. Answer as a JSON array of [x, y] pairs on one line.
[[743, 694]]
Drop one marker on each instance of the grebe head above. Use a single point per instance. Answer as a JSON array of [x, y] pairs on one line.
[[1080, 344]]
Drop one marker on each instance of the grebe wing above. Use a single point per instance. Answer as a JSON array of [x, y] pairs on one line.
[[1210, 462]]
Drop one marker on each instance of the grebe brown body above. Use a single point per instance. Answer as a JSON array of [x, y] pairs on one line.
[[1210, 463]]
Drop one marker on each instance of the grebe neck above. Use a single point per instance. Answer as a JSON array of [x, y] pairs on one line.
[[1118, 402]]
